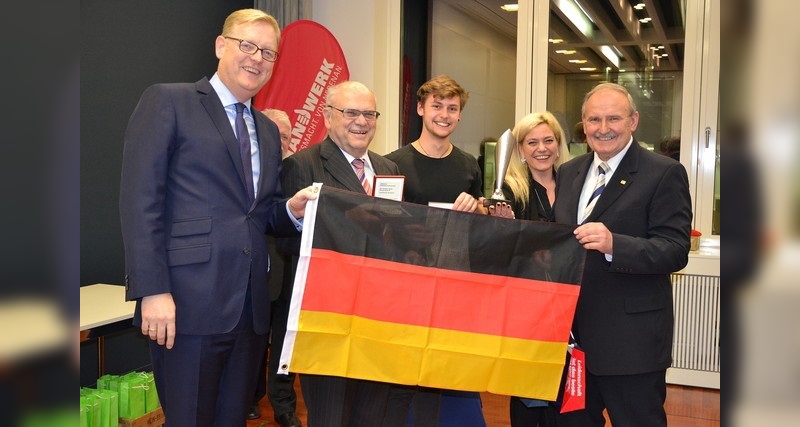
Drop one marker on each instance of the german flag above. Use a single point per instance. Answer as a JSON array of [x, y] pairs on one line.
[[403, 293]]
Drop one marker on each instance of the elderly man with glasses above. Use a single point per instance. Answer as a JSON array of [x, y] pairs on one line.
[[343, 160]]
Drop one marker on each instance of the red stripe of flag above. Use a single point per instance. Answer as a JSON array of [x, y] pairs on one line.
[[425, 296]]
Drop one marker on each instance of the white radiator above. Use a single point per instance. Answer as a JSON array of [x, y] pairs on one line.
[[697, 323]]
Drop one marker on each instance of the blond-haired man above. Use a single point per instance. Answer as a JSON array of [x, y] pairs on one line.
[[199, 189]]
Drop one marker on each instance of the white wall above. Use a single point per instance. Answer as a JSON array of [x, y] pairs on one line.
[[480, 59], [483, 61], [369, 34], [352, 26]]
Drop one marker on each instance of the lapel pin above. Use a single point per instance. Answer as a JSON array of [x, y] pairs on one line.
[[622, 181]]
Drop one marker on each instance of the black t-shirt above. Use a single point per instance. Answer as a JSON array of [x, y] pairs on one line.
[[437, 180]]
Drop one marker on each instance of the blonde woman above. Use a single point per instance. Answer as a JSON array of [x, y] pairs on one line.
[[530, 183]]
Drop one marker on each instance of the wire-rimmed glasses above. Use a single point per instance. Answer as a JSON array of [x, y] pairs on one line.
[[352, 113]]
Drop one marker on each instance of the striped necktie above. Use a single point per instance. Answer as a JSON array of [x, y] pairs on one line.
[[599, 185], [358, 164]]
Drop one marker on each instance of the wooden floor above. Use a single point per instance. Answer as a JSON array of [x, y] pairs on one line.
[[685, 406]]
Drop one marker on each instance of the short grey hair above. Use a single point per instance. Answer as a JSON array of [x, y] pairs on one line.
[[278, 116], [612, 86]]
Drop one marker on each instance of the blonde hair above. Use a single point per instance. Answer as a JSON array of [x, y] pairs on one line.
[[518, 176], [246, 16], [442, 87]]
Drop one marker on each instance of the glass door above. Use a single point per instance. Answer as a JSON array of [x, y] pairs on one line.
[[666, 53]]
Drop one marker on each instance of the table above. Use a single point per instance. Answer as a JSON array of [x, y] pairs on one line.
[[103, 310], [31, 326]]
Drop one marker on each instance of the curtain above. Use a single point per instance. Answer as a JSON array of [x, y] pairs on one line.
[[285, 11]]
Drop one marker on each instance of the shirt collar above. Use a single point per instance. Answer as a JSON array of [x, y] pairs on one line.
[[613, 162], [350, 159], [224, 94]]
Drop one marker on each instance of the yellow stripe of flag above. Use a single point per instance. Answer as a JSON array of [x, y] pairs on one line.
[[355, 347]]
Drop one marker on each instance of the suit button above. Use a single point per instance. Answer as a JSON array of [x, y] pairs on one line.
[[246, 251]]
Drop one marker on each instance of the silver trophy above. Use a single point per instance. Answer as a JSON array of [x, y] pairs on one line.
[[502, 157]]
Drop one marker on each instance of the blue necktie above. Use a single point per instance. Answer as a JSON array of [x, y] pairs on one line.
[[244, 149], [599, 185]]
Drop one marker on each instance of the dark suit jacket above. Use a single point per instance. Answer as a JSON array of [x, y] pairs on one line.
[[325, 163], [332, 400], [624, 318], [188, 226]]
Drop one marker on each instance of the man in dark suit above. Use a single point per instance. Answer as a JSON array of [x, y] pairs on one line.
[[199, 190], [351, 120], [636, 233]]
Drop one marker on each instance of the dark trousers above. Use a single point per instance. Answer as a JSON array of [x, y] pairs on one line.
[[422, 402], [537, 416], [343, 402], [279, 388], [631, 401], [207, 380]]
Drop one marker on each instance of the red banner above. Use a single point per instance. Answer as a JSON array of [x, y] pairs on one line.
[[408, 93], [310, 62], [575, 385]]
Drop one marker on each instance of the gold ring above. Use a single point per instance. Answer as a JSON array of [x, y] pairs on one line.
[[151, 329]]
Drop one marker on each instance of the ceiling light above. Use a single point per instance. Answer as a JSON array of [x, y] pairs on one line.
[[577, 16], [621, 70], [588, 68], [578, 61], [639, 6], [645, 20], [566, 52], [556, 41], [609, 53], [510, 7], [588, 16]]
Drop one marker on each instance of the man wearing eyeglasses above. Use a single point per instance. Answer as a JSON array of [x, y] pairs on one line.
[[199, 190], [342, 160]]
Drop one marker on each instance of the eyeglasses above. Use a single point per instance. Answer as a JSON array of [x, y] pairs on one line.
[[251, 48], [352, 113]]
